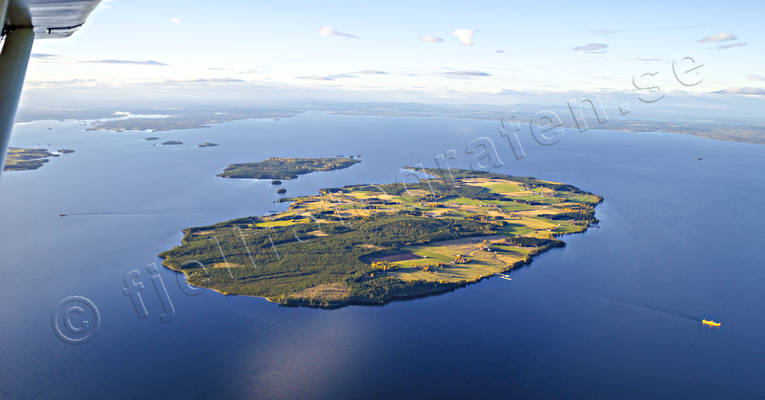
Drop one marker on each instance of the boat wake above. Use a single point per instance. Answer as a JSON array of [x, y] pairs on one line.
[[690, 317], [125, 215]]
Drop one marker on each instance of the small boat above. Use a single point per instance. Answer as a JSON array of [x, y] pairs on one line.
[[711, 323], [505, 277]]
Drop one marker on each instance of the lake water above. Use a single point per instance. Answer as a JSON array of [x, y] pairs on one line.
[[608, 316]]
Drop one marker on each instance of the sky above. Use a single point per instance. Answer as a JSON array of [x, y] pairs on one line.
[[426, 51]]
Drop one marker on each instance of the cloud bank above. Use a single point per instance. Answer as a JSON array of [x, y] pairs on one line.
[[330, 77], [751, 91], [592, 47], [730, 46], [430, 39], [133, 62], [329, 31], [466, 74]]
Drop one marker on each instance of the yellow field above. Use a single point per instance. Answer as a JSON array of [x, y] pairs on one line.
[[480, 262]]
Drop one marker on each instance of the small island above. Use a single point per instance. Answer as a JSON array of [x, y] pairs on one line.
[[172, 143], [371, 244], [151, 138], [208, 144], [277, 168], [29, 159]]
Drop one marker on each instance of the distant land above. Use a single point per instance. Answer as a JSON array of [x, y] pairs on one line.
[[746, 133], [172, 143], [733, 133], [29, 159], [370, 244], [285, 167], [181, 120], [202, 117], [208, 144]]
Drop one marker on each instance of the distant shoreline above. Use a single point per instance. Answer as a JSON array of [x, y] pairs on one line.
[[195, 118]]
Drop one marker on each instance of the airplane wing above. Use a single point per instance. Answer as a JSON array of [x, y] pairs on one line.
[[23, 21], [49, 18]]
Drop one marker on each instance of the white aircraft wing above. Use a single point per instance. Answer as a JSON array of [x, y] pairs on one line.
[[49, 18]]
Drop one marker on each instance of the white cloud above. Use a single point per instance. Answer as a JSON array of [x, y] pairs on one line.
[[372, 72], [430, 39], [330, 77], [44, 56], [757, 78], [505, 92], [175, 20], [592, 47], [207, 80], [329, 31], [465, 36], [752, 91], [718, 37], [133, 62], [729, 46], [61, 83], [466, 74]]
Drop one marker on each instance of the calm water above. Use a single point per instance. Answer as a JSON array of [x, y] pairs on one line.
[[676, 234]]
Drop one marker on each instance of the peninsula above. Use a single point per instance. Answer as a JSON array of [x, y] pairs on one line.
[[192, 118], [370, 244], [285, 168], [29, 159]]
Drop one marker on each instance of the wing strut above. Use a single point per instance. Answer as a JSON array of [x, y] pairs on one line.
[[14, 58]]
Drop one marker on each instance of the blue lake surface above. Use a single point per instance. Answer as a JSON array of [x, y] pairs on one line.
[[609, 316]]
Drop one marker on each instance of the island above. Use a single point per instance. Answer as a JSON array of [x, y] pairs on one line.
[[151, 138], [371, 244], [172, 143], [19, 159], [208, 144], [285, 168]]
